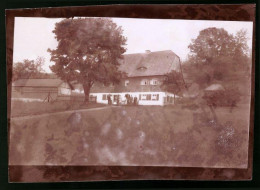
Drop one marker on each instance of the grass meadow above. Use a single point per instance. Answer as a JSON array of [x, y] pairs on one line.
[[132, 135], [22, 108]]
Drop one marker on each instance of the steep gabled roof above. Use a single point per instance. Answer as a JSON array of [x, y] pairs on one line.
[[37, 83], [149, 64]]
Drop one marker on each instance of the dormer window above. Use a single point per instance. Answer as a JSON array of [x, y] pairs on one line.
[[112, 84], [126, 82], [141, 68]]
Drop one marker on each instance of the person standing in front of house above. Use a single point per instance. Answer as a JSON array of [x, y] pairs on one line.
[[135, 101], [109, 99]]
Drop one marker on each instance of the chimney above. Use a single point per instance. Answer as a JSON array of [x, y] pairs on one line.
[[147, 51]]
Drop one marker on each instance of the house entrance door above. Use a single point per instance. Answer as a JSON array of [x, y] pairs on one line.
[[116, 99]]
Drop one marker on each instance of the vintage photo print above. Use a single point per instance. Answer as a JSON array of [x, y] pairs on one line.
[[107, 91]]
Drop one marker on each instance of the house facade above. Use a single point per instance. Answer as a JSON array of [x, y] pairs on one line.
[[145, 73]]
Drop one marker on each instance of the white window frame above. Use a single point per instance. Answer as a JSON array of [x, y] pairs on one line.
[[154, 82], [104, 97], [155, 97], [145, 82], [127, 82], [144, 97]]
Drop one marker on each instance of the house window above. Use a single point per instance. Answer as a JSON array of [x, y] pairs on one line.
[[154, 82], [92, 98], [155, 97], [126, 82], [112, 84], [142, 96], [145, 97], [141, 68], [104, 97], [145, 82], [116, 98]]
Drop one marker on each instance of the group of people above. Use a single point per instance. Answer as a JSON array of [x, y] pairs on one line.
[[130, 100]]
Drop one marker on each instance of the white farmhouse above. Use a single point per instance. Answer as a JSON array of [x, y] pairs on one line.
[[145, 73]]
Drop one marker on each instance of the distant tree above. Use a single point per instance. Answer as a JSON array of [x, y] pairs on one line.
[[28, 69], [214, 43], [215, 56], [211, 43], [88, 51], [174, 83], [241, 51], [219, 57]]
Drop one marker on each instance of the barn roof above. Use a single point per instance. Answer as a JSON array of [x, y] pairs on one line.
[[38, 82], [149, 64]]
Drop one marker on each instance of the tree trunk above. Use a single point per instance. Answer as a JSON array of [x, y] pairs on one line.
[[86, 88], [183, 78], [214, 114]]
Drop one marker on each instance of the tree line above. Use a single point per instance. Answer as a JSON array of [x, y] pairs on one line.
[[216, 57]]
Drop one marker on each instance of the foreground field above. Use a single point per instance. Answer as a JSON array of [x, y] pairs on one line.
[[129, 135]]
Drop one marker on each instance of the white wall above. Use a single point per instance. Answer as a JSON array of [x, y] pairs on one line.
[[133, 94], [64, 89]]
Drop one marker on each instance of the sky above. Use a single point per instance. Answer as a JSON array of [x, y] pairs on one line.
[[33, 35]]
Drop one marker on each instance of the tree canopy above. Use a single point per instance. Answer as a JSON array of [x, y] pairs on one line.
[[216, 56], [213, 43], [88, 51], [174, 83], [28, 69]]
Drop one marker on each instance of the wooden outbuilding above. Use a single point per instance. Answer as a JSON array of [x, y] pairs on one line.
[[39, 89]]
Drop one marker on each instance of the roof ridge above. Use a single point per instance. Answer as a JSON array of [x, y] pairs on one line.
[[149, 53]]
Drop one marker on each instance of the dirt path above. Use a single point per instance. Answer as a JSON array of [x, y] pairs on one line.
[[58, 113]]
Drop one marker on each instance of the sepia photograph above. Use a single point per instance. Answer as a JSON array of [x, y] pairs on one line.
[[107, 91]]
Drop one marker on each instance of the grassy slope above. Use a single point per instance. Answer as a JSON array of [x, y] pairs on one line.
[[140, 135], [20, 108]]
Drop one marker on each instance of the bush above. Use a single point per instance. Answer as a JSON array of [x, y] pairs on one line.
[[228, 140], [228, 97]]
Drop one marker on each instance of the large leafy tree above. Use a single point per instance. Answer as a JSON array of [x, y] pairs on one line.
[[174, 83], [219, 57], [216, 56], [88, 51], [28, 69], [213, 43]]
